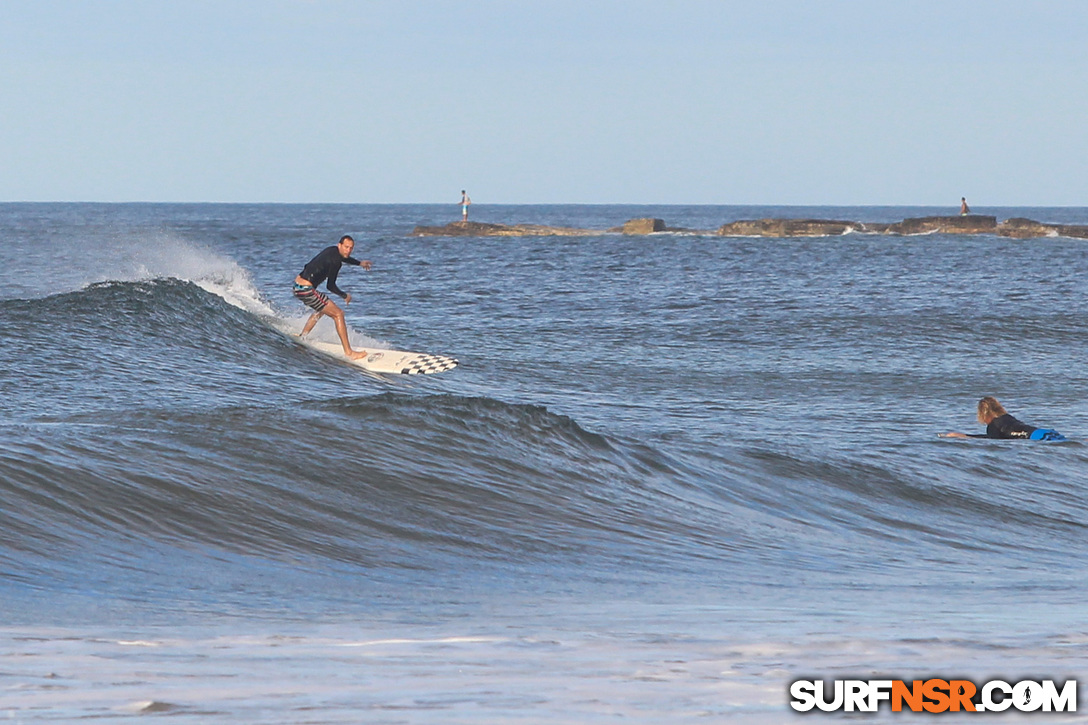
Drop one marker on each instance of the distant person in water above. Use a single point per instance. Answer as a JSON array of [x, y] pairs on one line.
[[465, 203], [999, 424], [325, 266], [964, 209]]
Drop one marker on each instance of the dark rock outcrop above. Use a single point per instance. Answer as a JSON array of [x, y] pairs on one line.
[[787, 228], [1020, 228], [643, 226], [1076, 231], [967, 224]]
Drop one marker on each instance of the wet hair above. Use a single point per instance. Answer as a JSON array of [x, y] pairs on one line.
[[346, 238], [989, 409]]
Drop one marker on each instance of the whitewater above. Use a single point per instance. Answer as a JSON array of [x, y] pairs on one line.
[[672, 474]]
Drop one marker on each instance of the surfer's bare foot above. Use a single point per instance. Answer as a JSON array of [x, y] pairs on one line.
[[357, 354]]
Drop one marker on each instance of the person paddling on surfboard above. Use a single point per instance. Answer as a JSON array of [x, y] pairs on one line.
[[325, 266], [999, 424]]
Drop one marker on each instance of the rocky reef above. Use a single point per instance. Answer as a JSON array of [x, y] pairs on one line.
[[1016, 228], [1019, 228], [967, 224], [642, 226], [480, 229], [788, 228]]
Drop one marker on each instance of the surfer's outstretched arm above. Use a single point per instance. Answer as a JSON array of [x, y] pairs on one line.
[[952, 434]]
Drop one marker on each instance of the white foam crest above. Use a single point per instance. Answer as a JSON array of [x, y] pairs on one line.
[[166, 256], [162, 256]]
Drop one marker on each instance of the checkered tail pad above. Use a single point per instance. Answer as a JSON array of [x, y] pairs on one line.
[[426, 364]]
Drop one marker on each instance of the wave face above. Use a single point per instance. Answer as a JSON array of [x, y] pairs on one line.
[[724, 414]]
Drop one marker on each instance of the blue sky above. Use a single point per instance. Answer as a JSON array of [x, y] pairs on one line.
[[588, 101]]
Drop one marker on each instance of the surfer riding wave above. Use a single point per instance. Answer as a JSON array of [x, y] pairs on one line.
[[324, 268]]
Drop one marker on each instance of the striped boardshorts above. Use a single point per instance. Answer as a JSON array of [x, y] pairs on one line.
[[309, 296]]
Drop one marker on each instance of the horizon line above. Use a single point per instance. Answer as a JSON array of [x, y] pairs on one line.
[[550, 203]]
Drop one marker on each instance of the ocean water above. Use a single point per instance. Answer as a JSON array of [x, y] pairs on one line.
[[671, 475]]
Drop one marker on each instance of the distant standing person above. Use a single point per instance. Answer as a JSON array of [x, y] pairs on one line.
[[999, 424], [465, 203], [325, 266], [964, 209]]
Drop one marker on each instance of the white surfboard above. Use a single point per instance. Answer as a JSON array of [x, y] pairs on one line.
[[393, 362]]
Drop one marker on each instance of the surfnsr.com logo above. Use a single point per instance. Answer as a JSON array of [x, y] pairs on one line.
[[934, 695]]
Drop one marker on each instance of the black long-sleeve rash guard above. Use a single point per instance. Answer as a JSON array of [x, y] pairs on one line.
[[326, 265], [1006, 427]]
